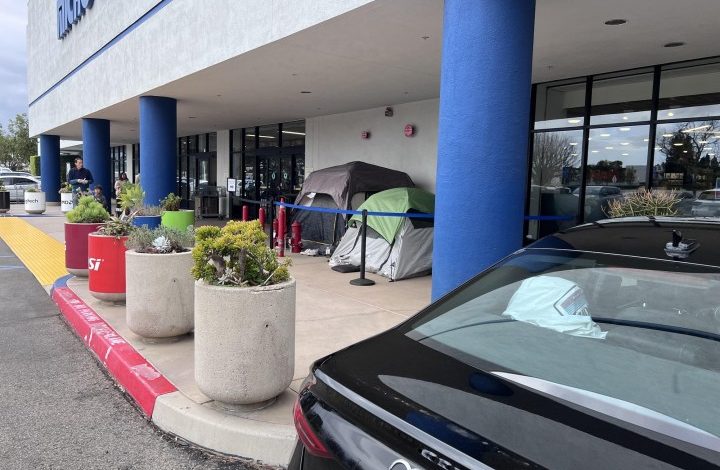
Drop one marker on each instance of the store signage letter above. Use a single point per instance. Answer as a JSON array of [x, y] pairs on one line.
[[69, 12]]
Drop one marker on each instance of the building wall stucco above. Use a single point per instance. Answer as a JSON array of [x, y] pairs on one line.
[[336, 139]]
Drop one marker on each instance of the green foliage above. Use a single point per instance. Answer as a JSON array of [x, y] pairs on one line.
[[16, 146], [32, 190], [171, 202], [2, 185], [65, 188], [88, 211], [644, 203], [237, 255], [131, 197], [160, 240], [35, 165], [117, 227]]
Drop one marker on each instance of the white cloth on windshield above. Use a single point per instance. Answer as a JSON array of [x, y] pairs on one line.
[[554, 303]]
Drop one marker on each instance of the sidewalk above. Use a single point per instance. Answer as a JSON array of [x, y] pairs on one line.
[[331, 314]]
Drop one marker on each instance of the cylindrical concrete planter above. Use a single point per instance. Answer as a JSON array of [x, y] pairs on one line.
[[106, 267], [179, 220], [151, 221], [76, 247], [160, 293], [66, 202], [4, 201], [35, 202], [244, 341]]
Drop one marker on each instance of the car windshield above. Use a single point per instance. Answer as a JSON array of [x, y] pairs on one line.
[[638, 333], [709, 196]]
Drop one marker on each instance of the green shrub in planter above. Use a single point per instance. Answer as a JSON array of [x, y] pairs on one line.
[[35, 165], [88, 211], [171, 202], [237, 255]]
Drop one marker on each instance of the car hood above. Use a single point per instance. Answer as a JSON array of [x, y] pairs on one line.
[[498, 418]]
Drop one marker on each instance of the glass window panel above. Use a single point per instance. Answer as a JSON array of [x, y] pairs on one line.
[[202, 143], [622, 99], [285, 178], [616, 164], [293, 134], [268, 136], [192, 144], [250, 139], [237, 140], [249, 177], [299, 173], [560, 104], [212, 142], [556, 173], [690, 92], [686, 159]]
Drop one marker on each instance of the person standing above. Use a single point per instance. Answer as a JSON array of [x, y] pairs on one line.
[[79, 177]]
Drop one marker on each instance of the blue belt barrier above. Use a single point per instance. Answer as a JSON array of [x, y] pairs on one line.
[[412, 215]]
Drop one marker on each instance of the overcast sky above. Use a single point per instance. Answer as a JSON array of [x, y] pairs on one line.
[[13, 87]]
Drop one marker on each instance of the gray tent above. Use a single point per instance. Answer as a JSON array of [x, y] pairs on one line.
[[340, 187], [397, 248]]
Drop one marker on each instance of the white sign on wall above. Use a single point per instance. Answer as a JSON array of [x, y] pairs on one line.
[[231, 184]]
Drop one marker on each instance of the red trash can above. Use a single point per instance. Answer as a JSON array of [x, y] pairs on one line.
[[106, 267], [76, 247]]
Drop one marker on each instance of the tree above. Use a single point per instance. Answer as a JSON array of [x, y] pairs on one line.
[[554, 159], [16, 146], [687, 152]]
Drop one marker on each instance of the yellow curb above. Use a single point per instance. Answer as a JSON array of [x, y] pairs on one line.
[[40, 253]]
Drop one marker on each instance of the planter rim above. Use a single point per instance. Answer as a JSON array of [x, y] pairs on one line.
[[152, 255], [280, 286], [179, 210], [95, 234], [82, 223]]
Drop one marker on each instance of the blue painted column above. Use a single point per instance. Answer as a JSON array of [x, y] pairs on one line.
[[50, 167], [485, 84], [96, 153], [158, 147]]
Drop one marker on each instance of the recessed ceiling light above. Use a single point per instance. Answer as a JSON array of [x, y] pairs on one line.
[[426, 37], [218, 95], [133, 130], [624, 129], [684, 151], [608, 148], [624, 143], [604, 135], [192, 117], [671, 114], [677, 144], [573, 154], [305, 92], [674, 44], [573, 143], [625, 118], [657, 148], [646, 140], [668, 135], [703, 142], [616, 22], [594, 151], [573, 121], [625, 154]]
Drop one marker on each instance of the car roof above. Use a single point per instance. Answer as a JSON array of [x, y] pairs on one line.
[[640, 236]]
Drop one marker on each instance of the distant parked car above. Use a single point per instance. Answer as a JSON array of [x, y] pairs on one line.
[[597, 200], [707, 204], [18, 184]]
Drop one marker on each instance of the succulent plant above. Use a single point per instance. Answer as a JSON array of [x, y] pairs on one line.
[[66, 188], [88, 211], [171, 202], [117, 227], [161, 240], [237, 255]]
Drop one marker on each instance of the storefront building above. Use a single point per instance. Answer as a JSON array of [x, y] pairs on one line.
[[526, 116]]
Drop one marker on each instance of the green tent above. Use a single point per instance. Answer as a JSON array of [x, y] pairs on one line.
[[395, 200]]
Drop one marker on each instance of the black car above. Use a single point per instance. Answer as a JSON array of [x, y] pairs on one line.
[[594, 348]]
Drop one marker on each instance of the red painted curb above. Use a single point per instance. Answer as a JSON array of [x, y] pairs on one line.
[[129, 369]]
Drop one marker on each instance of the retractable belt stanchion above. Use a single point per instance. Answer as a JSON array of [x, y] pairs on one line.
[[362, 281]]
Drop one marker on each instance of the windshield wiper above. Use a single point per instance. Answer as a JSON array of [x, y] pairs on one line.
[[659, 327]]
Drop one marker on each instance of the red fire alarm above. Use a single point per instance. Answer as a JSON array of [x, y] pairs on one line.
[[409, 130], [365, 134]]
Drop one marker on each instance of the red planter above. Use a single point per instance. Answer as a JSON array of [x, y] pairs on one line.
[[76, 247], [106, 267]]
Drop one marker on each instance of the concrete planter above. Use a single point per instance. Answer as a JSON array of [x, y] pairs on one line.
[[179, 220], [244, 341], [159, 294], [4, 201], [35, 202], [66, 202], [76, 247]]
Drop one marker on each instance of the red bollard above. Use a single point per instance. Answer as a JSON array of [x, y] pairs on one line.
[[282, 226], [245, 213], [275, 231], [261, 217], [296, 238]]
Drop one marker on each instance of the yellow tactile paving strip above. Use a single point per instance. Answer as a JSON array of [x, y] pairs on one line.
[[40, 253]]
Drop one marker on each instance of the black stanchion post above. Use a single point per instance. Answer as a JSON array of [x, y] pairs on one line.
[[362, 281]]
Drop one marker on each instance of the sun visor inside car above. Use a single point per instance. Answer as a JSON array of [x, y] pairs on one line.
[[554, 303]]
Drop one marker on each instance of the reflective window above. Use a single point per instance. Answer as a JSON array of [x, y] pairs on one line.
[[202, 143], [617, 164], [556, 173], [237, 140], [622, 98], [690, 91], [686, 156], [293, 134], [560, 104], [212, 142], [268, 136]]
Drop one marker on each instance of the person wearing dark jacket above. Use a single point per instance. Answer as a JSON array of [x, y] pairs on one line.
[[79, 177]]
